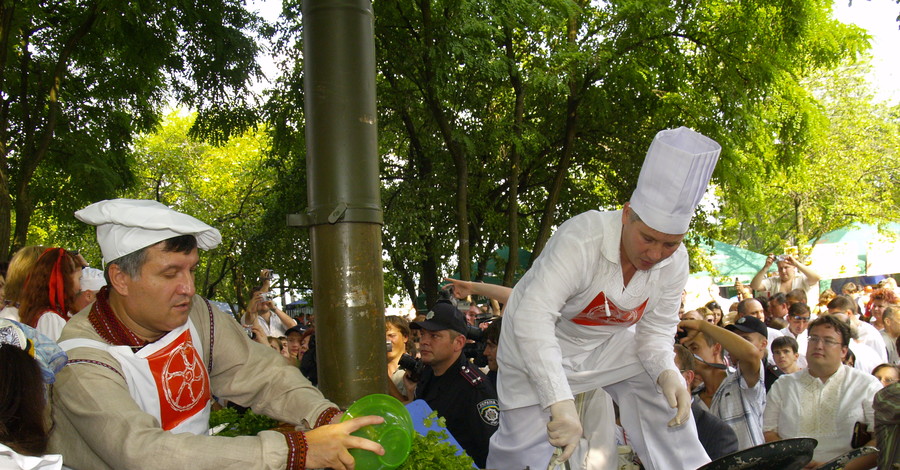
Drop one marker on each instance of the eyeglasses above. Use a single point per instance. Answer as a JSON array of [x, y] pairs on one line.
[[828, 342], [799, 318]]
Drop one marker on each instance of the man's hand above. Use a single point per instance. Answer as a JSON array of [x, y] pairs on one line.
[[692, 327], [327, 446], [461, 289], [564, 429], [676, 393], [769, 260], [260, 334]]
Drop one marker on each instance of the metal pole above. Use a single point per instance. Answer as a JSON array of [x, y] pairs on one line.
[[344, 213]]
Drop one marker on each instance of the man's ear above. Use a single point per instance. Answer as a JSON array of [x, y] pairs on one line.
[[459, 342], [118, 279], [625, 210]]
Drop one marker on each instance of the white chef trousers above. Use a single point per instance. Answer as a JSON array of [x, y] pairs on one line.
[[521, 440]]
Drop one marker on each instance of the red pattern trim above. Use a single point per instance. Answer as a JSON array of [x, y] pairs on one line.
[[108, 326], [327, 416], [98, 363], [297, 448]]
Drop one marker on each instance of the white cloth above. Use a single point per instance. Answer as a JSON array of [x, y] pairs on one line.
[[51, 325], [521, 440], [11, 460], [127, 225], [866, 358], [274, 327], [772, 285], [544, 355], [871, 337], [800, 405], [166, 378], [92, 279], [674, 178], [10, 312]]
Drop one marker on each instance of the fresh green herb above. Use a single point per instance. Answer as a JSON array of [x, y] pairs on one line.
[[431, 451], [247, 424]]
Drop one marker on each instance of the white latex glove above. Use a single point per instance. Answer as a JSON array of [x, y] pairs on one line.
[[564, 429], [676, 393]]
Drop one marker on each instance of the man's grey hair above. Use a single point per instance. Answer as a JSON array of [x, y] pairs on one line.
[[132, 263]]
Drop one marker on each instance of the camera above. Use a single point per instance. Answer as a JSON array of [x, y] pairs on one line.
[[267, 296], [250, 333], [412, 366], [780, 258]]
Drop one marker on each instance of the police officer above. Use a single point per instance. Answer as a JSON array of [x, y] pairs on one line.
[[457, 390]]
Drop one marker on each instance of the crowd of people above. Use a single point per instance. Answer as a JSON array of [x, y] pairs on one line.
[[587, 360]]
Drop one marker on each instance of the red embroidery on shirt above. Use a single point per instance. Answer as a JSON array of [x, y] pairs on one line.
[[181, 381], [596, 314]]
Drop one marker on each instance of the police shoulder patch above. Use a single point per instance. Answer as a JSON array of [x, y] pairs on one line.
[[489, 412]]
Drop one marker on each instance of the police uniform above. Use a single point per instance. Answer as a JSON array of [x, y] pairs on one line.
[[467, 400], [462, 395]]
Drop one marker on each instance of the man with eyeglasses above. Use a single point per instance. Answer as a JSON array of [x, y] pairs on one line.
[[826, 399], [798, 318]]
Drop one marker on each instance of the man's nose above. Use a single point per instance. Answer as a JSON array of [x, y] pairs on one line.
[[186, 287]]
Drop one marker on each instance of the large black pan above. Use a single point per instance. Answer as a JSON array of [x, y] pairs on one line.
[[788, 454]]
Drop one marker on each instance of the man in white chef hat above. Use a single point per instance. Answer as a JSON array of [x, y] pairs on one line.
[[598, 310], [146, 358]]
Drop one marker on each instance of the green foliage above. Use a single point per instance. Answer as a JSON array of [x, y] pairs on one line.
[[246, 424], [431, 451]]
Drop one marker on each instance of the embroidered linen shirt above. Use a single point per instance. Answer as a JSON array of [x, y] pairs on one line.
[[800, 405]]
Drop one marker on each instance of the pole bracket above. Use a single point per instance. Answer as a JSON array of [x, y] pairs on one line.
[[342, 212]]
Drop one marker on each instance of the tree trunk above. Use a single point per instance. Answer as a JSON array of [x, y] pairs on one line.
[[512, 211]]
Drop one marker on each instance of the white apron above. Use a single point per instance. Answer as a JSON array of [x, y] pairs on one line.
[[167, 378]]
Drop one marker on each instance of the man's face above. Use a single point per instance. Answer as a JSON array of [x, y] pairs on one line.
[[777, 310], [755, 338], [786, 271], [438, 349], [785, 357], [754, 309], [294, 341], [159, 299], [878, 307], [708, 353], [472, 314], [397, 340], [892, 327], [490, 352], [642, 246], [824, 348], [797, 323]]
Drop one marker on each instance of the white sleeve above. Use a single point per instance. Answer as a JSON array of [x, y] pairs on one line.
[[773, 407], [51, 325], [535, 306], [655, 332]]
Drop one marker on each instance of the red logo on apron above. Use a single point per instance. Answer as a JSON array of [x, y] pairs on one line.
[[596, 313], [181, 381]]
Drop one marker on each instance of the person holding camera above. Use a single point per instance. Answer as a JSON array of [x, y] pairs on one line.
[[457, 390], [788, 278], [263, 311]]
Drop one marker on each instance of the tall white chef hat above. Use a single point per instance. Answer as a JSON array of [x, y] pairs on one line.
[[127, 225], [673, 179]]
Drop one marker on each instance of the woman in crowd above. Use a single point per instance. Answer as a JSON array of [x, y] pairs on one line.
[[18, 270], [716, 312], [397, 335], [887, 373], [28, 361], [49, 291]]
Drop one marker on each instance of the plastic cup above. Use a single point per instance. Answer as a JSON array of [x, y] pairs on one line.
[[395, 434]]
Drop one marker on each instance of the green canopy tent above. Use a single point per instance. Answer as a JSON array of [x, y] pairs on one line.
[[858, 251], [731, 261]]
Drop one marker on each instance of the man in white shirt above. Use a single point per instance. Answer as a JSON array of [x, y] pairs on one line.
[[867, 343], [263, 311], [798, 317], [826, 399], [607, 287], [788, 279]]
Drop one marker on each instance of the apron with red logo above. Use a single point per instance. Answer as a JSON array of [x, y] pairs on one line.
[[167, 378]]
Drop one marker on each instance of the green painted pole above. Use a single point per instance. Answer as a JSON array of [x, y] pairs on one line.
[[344, 212]]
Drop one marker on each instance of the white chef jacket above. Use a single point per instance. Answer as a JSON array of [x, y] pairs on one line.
[[544, 356]]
